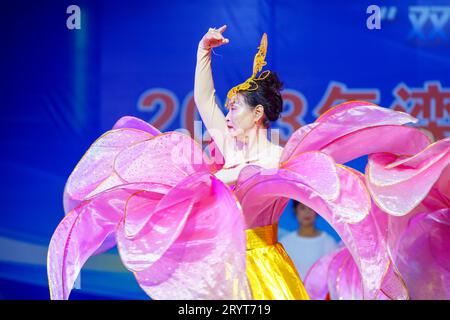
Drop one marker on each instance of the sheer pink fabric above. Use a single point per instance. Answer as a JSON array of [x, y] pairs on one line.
[[181, 231], [413, 192], [178, 228], [421, 270]]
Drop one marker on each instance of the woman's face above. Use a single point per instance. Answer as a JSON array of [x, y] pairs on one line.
[[240, 117]]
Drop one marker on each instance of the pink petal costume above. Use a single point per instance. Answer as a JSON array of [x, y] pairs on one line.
[[413, 192], [186, 235], [422, 263]]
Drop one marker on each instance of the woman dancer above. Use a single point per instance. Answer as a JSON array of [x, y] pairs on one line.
[[241, 137], [181, 229]]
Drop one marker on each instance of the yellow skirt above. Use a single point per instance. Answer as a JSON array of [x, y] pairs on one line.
[[270, 271]]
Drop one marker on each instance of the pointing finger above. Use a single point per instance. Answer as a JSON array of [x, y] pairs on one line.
[[222, 28]]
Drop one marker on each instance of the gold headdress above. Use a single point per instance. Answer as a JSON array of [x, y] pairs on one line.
[[258, 62]]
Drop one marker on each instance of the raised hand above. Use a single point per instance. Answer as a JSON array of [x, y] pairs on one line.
[[214, 38]]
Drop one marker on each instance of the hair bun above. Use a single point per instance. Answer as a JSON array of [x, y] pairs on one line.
[[268, 94], [273, 81]]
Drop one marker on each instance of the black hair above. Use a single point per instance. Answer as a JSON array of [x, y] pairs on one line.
[[296, 204], [268, 94], [303, 206]]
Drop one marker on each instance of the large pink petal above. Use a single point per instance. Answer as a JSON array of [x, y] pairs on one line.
[[96, 166], [136, 123], [207, 258], [318, 169], [316, 279], [167, 158], [150, 227], [387, 138], [408, 166], [348, 119], [315, 171], [399, 184], [348, 214], [343, 107], [294, 142], [338, 274], [83, 231], [344, 279], [423, 257]]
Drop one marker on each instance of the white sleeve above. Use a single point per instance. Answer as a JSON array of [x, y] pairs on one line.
[[330, 244]]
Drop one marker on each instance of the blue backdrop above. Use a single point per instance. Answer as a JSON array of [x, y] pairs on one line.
[[61, 88]]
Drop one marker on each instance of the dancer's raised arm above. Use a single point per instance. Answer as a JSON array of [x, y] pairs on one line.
[[204, 92]]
